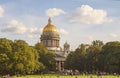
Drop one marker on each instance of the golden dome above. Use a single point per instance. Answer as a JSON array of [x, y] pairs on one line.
[[49, 27]]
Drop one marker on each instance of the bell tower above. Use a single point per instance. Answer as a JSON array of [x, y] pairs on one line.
[[66, 47]]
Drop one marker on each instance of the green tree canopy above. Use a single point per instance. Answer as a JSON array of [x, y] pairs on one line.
[[46, 57], [5, 55], [24, 57], [111, 53]]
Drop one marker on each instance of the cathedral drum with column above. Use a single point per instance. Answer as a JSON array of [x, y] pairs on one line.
[[50, 37]]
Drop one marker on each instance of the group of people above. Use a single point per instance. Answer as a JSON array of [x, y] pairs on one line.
[[6, 76]]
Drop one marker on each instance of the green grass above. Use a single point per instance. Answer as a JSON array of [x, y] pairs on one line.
[[50, 76]]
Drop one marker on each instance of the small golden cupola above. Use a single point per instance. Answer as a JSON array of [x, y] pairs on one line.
[[66, 47]]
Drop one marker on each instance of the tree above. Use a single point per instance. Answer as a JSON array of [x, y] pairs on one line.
[[92, 56], [5, 55], [77, 60], [111, 53], [24, 57], [70, 61], [46, 57], [85, 57]]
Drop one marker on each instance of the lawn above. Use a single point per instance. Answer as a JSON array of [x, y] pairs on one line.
[[54, 76]]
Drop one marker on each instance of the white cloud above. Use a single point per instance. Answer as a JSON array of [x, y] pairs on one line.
[[91, 38], [34, 30], [30, 36], [62, 31], [86, 14], [41, 30], [113, 35], [1, 11], [51, 12], [34, 33], [14, 27]]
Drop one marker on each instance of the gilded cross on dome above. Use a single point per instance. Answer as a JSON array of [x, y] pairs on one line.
[[49, 20]]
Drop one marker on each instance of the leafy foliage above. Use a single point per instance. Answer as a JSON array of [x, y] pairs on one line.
[[5, 55], [111, 53], [95, 57], [17, 57], [46, 57]]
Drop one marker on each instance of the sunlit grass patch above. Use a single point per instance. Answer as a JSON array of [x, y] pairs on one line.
[[58, 76]]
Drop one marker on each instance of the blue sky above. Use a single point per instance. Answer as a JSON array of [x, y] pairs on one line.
[[78, 21]]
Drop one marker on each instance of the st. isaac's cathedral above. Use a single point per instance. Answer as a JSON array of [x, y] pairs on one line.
[[50, 38]]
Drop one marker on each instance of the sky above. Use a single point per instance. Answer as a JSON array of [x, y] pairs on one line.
[[77, 21]]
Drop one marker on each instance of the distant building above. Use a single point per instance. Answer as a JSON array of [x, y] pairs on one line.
[[50, 38]]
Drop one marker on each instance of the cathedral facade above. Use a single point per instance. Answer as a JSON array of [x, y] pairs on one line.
[[51, 38]]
